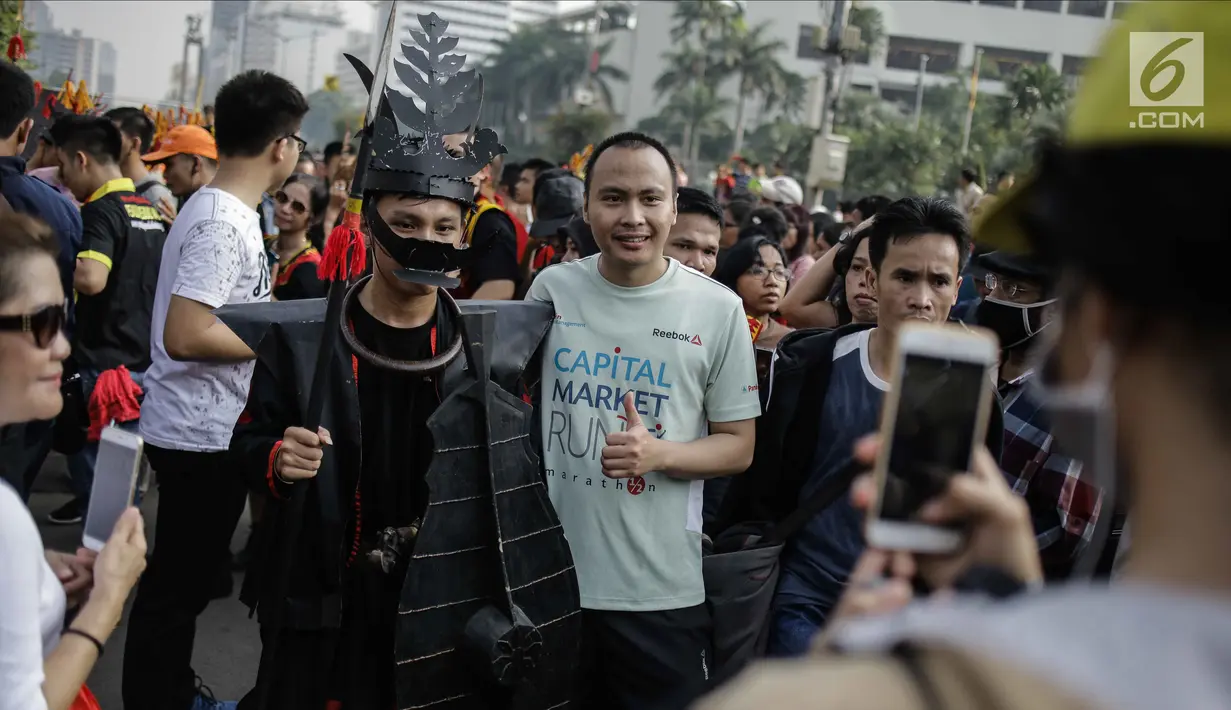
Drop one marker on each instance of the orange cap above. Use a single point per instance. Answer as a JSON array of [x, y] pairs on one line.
[[190, 140]]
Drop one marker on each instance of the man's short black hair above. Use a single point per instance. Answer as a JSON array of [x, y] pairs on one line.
[[16, 97], [871, 205], [911, 217], [970, 175], [1003, 174], [538, 165], [633, 140], [509, 175], [741, 205], [771, 218], [255, 109], [333, 150], [96, 136], [690, 200], [135, 124]]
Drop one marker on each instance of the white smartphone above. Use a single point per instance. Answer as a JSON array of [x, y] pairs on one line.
[[935, 414], [115, 482]]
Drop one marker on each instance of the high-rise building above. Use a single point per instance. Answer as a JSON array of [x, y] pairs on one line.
[[479, 25], [57, 54], [297, 39], [222, 47]]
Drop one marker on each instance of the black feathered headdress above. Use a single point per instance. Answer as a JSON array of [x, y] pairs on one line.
[[418, 161]]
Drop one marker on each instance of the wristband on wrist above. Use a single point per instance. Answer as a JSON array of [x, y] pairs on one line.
[[88, 637], [278, 470]]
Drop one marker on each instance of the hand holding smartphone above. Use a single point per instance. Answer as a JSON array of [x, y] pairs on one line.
[[934, 417], [115, 482]]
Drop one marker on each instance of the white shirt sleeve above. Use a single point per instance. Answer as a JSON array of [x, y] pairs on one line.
[[22, 570], [211, 263], [731, 393]]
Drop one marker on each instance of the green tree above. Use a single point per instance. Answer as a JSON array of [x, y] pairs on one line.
[[538, 67], [871, 26], [1035, 87], [8, 28], [753, 57], [707, 19], [693, 114], [571, 128], [782, 141], [710, 22]]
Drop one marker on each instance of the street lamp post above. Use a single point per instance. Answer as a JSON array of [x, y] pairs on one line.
[[923, 67]]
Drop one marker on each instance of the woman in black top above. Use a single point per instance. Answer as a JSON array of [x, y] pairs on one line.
[[300, 205]]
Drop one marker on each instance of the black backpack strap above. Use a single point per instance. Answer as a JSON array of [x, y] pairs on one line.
[[824, 496]]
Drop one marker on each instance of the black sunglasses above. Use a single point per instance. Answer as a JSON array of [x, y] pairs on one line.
[[303, 144], [44, 324], [297, 207]]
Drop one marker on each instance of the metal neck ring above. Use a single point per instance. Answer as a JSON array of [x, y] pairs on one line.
[[431, 366]]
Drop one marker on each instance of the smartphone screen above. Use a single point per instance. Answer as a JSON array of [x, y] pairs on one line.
[[115, 472], [932, 434]]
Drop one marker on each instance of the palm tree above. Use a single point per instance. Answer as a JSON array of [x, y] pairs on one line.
[[754, 58], [1036, 87], [871, 26], [709, 19], [539, 66], [699, 111]]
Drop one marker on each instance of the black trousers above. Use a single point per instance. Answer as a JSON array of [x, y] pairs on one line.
[[643, 660], [200, 499], [23, 451]]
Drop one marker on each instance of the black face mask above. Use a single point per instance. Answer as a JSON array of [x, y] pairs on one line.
[[422, 261], [1015, 324]]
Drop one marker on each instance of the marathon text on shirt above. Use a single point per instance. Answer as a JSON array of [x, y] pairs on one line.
[[634, 486]]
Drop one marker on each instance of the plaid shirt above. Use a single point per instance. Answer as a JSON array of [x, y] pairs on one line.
[[1063, 507]]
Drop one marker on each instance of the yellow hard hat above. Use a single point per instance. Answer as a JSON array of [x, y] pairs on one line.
[[1162, 78]]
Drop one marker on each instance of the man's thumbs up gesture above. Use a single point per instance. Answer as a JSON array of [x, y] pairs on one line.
[[634, 451]]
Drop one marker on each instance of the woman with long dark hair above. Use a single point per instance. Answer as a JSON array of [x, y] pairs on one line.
[[301, 205], [755, 268]]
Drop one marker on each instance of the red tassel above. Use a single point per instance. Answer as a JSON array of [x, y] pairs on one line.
[[345, 257], [38, 90], [17, 48]]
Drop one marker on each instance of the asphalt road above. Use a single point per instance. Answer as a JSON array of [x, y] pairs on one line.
[[227, 646]]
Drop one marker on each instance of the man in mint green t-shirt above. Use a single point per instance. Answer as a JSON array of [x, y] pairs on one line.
[[649, 387]]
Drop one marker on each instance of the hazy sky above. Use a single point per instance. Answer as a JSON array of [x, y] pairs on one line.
[[149, 36]]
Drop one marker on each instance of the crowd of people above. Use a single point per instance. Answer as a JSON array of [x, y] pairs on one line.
[[650, 368]]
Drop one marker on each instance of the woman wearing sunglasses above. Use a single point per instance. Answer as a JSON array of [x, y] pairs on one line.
[[300, 205], [44, 663]]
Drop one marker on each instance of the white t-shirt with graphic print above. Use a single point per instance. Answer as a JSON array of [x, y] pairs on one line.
[[682, 345], [214, 255]]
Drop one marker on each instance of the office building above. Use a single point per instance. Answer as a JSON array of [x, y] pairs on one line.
[[297, 39], [56, 54], [1062, 33]]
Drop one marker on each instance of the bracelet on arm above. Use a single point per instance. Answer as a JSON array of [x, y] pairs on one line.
[[88, 637], [278, 469]]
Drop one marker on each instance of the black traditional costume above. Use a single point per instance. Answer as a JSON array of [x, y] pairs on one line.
[[429, 569]]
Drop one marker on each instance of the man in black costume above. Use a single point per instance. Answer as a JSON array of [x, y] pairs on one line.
[[429, 567]]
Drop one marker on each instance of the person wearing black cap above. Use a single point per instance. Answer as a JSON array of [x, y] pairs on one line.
[[558, 196], [1063, 505], [366, 593]]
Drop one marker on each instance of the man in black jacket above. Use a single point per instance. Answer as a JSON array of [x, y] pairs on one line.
[[825, 392]]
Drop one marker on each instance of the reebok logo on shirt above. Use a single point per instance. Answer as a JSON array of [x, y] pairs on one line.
[[672, 335]]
